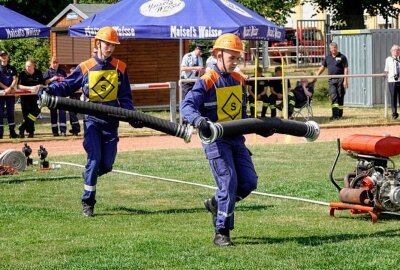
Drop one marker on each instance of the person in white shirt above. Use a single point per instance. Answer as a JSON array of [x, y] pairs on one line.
[[192, 67], [392, 70]]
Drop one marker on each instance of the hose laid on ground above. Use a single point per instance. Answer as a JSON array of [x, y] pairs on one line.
[[13, 158], [98, 110], [213, 187], [309, 130]]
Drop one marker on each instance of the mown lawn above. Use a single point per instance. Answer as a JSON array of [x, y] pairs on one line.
[[145, 223]]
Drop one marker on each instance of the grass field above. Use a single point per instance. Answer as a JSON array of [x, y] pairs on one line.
[[144, 223]]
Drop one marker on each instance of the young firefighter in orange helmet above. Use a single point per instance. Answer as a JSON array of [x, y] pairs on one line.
[[104, 80], [220, 95]]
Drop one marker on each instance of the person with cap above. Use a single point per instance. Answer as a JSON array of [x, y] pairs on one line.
[[58, 118], [192, 67], [103, 80], [30, 79], [218, 96], [276, 89], [8, 82]]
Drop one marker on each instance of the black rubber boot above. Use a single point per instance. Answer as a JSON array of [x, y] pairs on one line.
[[222, 239], [13, 135]]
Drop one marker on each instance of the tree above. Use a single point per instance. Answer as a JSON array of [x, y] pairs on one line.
[[275, 10], [42, 11], [349, 14], [20, 50]]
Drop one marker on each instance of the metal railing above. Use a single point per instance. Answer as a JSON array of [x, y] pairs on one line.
[[286, 89]]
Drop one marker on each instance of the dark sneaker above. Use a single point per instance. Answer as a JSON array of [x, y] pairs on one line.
[[56, 135], [222, 240], [213, 209], [87, 210]]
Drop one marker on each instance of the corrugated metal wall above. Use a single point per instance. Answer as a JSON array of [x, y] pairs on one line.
[[366, 51]]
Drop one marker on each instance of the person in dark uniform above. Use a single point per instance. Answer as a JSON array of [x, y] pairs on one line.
[[192, 67], [73, 116], [103, 80], [337, 64], [276, 91], [299, 95], [262, 88], [31, 79], [8, 81], [58, 118]]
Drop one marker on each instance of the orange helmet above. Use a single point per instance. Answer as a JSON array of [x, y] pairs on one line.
[[229, 42], [108, 34]]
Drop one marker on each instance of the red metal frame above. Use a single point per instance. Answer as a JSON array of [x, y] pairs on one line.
[[355, 209]]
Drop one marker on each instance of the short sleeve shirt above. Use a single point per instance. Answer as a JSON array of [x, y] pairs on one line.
[[335, 65], [260, 85], [277, 85], [31, 79], [7, 74]]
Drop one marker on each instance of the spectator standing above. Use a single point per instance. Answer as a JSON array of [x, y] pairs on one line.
[[192, 67], [103, 80], [337, 64], [276, 88], [8, 82], [57, 117], [262, 89], [73, 116], [392, 70], [31, 79], [229, 159]]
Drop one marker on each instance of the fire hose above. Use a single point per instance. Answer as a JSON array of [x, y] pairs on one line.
[[309, 130], [13, 158], [98, 110]]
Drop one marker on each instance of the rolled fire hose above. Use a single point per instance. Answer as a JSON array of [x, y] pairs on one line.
[[309, 130], [98, 110], [13, 158]]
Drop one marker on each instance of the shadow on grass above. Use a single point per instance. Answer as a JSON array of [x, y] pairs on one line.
[[131, 211], [317, 240], [38, 179]]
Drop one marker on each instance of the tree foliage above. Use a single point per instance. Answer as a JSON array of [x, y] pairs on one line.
[[42, 11], [275, 10], [349, 14], [20, 50]]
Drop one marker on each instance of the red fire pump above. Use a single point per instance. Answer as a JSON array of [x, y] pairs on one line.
[[374, 186]]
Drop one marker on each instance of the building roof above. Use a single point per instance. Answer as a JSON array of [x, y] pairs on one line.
[[83, 10]]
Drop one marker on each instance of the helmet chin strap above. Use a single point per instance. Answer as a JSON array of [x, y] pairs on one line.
[[223, 63], [101, 52]]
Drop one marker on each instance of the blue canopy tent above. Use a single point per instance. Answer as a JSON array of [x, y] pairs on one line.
[[14, 25], [179, 19]]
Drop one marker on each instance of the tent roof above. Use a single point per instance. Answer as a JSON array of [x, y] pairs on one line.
[[179, 19], [14, 25]]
